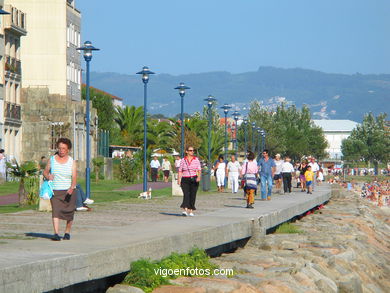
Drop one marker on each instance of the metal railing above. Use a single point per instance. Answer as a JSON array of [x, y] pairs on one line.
[[12, 111], [12, 65]]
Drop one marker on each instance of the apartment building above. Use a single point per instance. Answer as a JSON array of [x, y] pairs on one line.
[[1, 78], [50, 58], [14, 28]]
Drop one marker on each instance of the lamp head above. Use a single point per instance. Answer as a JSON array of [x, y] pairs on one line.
[[182, 89], [253, 125], [226, 108], [210, 100], [145, 72], [245, 121], [87, 50]]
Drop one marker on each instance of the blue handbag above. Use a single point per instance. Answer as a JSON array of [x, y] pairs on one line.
[[46, 190]]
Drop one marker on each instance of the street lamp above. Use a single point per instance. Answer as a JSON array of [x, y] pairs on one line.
[[210, 101], [263, 134], [253, 136], [145, 78], [235, 115], [87, 52], [258, 129], [226, 109], [245, 135], [182, 91]]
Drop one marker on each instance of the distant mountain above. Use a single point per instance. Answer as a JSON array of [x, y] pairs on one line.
[[329, 96]]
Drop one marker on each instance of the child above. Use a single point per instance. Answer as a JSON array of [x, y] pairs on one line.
[[309, 175]]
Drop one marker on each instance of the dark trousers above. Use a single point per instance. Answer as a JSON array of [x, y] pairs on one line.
[[154, 174], [286, 182], [189, 187]]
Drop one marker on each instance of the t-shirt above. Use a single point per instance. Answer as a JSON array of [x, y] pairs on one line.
[[266, 166], [287, 167], [189, 168], [252, 168], [233, 167], [278, 164], [166, 165], [314, 167], [155, 164], [309, 175]]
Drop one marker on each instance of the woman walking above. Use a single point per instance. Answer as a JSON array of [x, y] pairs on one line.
[[302, 169], [188, 179], [249, 172], [220, 168], [61, 169]]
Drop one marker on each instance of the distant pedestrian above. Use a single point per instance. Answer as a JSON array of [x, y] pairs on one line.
[[302, 169], [42, 164], [63, 173], [232, 172], [287, 173], [249, 172], [314, 168], [220, 168], [3, 166], [166, 167], [188, 179], [177, 163], [278, 172], [309, 175], [154, 167], [267, 171]]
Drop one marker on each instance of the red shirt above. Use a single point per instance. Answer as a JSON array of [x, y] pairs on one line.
[[189, 168]]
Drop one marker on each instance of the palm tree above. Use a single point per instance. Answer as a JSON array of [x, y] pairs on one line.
[[23, 171], [130, 122]]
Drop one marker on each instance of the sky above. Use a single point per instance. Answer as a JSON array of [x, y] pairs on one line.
[[194, 36]]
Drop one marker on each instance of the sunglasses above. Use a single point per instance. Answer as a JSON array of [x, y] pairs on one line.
[[190, 150]]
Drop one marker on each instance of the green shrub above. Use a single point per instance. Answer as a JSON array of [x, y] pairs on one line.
[[288, 228], [144, 274], [31, 186]]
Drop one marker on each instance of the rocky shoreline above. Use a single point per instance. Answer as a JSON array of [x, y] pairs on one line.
[[345, 247]]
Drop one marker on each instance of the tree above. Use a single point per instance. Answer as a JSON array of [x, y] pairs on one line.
[[23, 171], [369, 141], [102, 102], [130, 122]]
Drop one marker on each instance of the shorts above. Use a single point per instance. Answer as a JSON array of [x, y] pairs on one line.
[[166, 173], [308, 183], [277, 176]]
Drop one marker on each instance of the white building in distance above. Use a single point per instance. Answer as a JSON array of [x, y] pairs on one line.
[[335, 131]]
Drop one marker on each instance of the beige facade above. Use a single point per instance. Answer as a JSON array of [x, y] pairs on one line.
[[1, 78], [14, 28], [50, 58]]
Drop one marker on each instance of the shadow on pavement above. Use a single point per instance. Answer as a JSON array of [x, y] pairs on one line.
[[172, 214], [39, 235], [230, 206]]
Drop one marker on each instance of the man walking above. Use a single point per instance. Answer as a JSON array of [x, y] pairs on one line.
[[267, 170], [154, 166]]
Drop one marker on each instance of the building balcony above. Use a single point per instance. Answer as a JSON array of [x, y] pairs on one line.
[[12, 66], [12, 113], [15, 21]]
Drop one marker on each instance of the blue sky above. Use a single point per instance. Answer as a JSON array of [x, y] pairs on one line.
[[184, 36]]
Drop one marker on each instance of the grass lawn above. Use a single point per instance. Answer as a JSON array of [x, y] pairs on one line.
[[9, 188]]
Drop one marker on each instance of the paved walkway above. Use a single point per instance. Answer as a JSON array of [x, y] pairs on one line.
[[105, 241]]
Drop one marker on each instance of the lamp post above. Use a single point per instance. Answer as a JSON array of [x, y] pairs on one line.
[[182, 91], [258, 129], [145, 72], [253, 136], [245, 135], [210, 101], [235, 115], [226, 109], [263, 134], [87, 52]]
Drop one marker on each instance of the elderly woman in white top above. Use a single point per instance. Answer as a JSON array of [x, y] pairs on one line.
[[220, 167], [232, 172], [62, 170]]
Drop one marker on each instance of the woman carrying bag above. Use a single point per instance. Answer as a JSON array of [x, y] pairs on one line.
[[249, 172], [188, 179], [61, 169]]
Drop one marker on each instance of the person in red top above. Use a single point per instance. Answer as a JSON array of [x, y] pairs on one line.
[[188, 179]]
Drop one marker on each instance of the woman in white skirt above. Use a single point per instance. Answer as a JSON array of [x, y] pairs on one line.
[[220, 167]]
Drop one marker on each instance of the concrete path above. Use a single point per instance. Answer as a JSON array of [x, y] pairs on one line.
[[105, 241]]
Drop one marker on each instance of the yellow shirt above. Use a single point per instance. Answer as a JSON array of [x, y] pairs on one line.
[[309, 175]]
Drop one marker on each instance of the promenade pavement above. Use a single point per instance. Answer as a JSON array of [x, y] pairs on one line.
[[106, 240]]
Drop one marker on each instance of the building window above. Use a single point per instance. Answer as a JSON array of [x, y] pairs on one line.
[[58, 130]]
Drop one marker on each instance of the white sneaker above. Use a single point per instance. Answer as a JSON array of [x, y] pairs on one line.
[[184, 214], [82, 209], [89, 201], [191, 214]]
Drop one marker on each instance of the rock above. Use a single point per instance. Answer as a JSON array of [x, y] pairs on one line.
[[349, 255], [289, 245], [350, 284], [215, 285], [324, 287], [275, 287], [120, 288], [178, 289]]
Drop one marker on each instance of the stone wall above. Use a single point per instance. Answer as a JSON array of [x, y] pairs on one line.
[[39, 111]]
